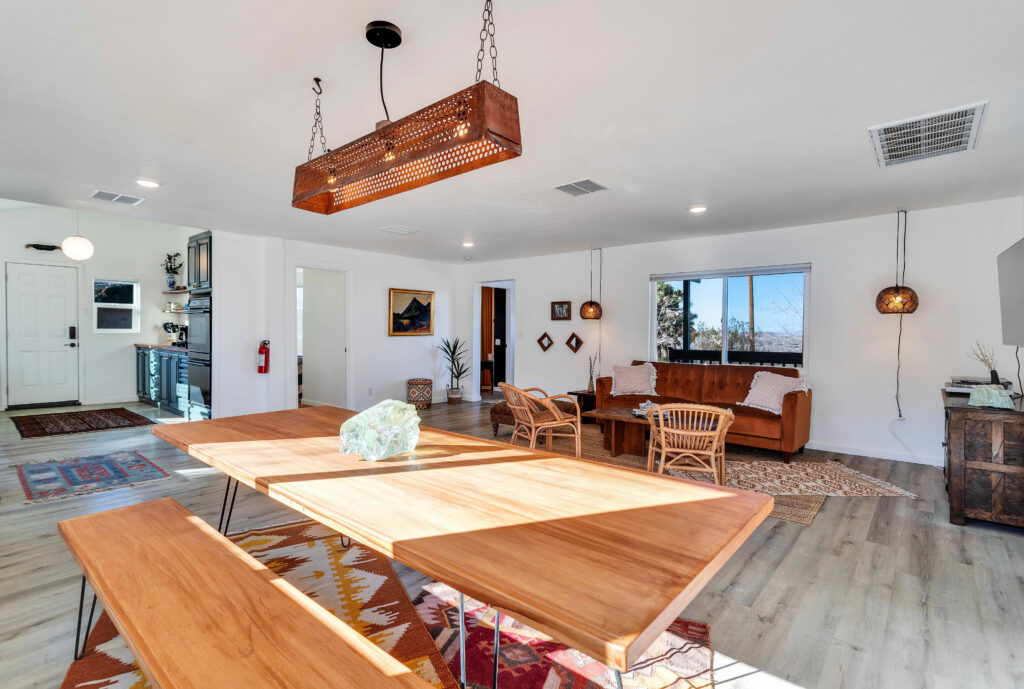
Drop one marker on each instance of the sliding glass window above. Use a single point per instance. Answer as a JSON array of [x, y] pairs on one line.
[[761, 311]]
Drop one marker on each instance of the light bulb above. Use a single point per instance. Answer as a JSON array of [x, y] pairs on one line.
[[77, 248], [698, 209], [461, 129]]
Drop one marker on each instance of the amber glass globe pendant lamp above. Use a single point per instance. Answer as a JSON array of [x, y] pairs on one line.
[[898, 299]]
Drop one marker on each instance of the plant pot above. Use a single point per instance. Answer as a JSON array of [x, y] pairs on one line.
[[171, 280], [454, 395]]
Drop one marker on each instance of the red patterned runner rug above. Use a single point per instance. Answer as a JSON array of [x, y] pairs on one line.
[[357, 584], [86, 421]]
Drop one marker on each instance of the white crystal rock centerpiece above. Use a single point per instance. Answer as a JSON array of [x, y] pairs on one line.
[[384, 430]]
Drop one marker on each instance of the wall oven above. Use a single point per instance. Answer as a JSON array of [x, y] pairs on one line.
[[199, 383], [199, 350]]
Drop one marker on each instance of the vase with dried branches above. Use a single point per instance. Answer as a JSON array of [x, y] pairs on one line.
[[592, 360], [987, 358]]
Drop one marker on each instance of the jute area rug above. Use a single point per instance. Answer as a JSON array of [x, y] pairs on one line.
[[799, 488]]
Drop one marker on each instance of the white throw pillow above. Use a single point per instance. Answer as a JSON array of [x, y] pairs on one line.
[[767, 390], [634, 380]]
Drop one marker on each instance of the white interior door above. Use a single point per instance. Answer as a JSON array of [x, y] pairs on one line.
[[42, 357]]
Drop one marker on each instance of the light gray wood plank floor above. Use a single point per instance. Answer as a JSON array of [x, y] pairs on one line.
[[879, 592]]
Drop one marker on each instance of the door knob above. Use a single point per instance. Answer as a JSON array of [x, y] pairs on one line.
[[71, 344]]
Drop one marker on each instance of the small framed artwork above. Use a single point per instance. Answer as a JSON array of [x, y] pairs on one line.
[[545, 342], [574, 343], [561, 310], [412, 312]]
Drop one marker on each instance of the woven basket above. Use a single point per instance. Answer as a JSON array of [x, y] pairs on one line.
[[420, 392]]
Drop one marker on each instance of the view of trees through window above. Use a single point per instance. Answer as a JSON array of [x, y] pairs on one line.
[[762, 316]]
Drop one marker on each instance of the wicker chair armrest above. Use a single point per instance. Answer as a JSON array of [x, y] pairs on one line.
[[542, 393], [554, 406]]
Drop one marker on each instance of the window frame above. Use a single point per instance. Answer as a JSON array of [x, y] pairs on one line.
[[135, 307], [725, 274]]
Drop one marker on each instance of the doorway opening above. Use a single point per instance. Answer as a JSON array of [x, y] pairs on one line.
[[495, 336], [321, 336]]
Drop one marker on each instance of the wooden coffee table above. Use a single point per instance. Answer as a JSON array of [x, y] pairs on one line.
[[624, 433]]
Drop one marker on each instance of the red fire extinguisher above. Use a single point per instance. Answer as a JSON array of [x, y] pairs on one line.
[[263, 360]]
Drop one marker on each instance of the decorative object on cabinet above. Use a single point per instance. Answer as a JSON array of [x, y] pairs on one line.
[[476, 127], [172, 266], [591, 310], [574, 343], [454, 354], [545, 342], [561, 310], [412, 312], [592, 365], [987, 358], [984, 461], [420, 392]]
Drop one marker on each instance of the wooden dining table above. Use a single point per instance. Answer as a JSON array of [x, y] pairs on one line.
[[601, 558]]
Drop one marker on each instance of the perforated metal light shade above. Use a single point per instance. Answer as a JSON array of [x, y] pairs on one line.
[[591, 311], [896, 299], [473, 128]]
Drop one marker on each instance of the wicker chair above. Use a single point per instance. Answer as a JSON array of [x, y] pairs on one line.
[[534, 414], [690, 437]]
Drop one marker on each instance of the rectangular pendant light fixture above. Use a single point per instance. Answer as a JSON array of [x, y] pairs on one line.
[[475, 127]]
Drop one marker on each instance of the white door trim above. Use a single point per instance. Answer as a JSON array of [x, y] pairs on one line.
[[82, 348], [291, 326]]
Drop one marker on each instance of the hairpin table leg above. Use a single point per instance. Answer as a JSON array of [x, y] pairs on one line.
[[462, 639], [618, 679], [88, 625], [224, 505], [231, 509], [497, 647]]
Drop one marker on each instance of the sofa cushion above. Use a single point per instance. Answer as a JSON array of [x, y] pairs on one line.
[[730, 384], [633, 380], [681, 381], [756, 422]]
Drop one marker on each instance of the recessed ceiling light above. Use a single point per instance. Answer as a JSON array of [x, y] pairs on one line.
[[147, 182], [698, 209], [468, 245], [467, 258]]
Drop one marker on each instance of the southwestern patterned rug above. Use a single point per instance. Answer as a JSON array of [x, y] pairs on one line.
[[65, 478], [799, 488], [681, 658], [42, 425], [355, 583]]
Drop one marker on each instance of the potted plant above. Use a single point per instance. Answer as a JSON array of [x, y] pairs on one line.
[[172, 264], [454, 354], [987, 358]]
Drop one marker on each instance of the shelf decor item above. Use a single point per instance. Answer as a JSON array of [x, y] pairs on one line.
[[545, 342], [420, 392], [454, 354], [591, 310], [172, 265], [384, 430], [412, 312], [592, 363], [470, 129], [561, 310]]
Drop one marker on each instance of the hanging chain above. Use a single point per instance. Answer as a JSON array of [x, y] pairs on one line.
[[485, 32], [318, 124]]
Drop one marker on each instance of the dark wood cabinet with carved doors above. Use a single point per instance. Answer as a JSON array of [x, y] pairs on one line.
[[984, 462]]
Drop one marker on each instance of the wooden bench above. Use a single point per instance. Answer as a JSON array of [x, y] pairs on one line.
[[197, 611]]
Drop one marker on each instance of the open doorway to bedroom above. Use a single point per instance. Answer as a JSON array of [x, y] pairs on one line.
[[495, 337], [321, 336]]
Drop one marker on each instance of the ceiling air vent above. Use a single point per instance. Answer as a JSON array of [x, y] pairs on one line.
[[950, 131], [584, 186], [399, 229], [123, 199]]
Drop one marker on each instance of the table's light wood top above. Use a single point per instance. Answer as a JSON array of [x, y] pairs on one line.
[[600, 557], [197, 611]]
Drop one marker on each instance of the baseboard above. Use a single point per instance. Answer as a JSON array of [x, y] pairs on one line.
[[111, 400], [929, 460]]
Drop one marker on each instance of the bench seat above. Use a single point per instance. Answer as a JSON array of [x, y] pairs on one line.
[[198, 612]]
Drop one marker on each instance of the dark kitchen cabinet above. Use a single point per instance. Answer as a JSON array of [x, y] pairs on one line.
[[162, 379], [144, 374], [200, 271]]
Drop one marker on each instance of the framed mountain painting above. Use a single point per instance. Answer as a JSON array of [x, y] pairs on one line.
[[412, 312]]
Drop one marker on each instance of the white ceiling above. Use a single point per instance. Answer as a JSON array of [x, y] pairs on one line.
[[758, 109]]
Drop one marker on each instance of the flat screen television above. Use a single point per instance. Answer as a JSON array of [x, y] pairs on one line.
[[1011, 293]]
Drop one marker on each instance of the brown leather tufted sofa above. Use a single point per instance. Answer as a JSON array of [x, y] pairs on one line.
[[725, 386]]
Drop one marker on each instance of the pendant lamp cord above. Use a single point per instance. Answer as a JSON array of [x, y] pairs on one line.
[[600, 300], [386, 115], [899, 338]]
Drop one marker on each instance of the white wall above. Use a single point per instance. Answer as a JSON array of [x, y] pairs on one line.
[[126, 249], [850, 348], [254, 299], [324, 337]]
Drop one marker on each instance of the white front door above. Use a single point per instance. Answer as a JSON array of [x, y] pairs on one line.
[[42, 356]]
